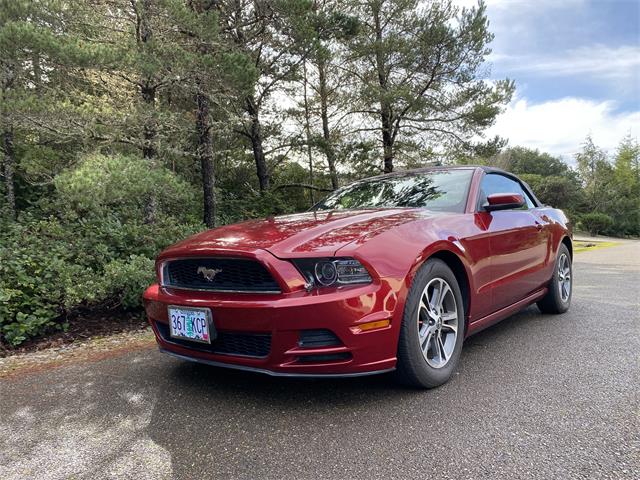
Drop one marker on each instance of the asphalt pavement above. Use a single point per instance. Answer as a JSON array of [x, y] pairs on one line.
[[536, 396]]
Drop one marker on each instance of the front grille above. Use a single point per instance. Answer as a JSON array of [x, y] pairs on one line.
[[226, 343], [225, 275]]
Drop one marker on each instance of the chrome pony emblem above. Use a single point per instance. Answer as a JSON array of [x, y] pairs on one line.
[[209, 273]]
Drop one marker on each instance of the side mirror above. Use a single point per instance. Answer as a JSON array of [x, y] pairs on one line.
[[503, 201]]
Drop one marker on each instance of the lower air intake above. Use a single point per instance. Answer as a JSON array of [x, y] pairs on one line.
[[318, 338]]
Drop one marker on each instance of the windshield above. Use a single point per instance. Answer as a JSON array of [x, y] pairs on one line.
[[441, 190]]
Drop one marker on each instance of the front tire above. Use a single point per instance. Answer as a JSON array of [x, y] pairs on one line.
[[432, 328], [558, 298]]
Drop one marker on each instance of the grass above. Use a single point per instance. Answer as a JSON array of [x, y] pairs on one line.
[[584, 246]]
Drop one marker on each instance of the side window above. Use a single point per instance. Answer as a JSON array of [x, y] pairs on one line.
[[496, 183], [528, 199]]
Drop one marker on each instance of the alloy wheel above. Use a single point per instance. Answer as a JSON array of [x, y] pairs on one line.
[[564, 277], [437, 322]]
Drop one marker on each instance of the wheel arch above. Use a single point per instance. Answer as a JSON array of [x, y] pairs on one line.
[[455, 263], [567, 241]]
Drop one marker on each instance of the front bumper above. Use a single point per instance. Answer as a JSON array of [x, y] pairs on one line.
[[282, 318]]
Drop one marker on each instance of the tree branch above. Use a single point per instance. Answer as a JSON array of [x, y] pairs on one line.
[[303, 185]]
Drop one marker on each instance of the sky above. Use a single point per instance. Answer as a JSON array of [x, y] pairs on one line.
[[576, 64]]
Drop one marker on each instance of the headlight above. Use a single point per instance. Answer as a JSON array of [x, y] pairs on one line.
[[332, 271]]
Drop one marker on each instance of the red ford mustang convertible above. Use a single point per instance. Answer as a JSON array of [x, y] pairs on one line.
[[388, 273]]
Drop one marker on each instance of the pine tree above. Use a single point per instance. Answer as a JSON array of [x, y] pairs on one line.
[[265, 32], [596, 174], [43, 52], [419, 69], [625, 205], [218, 75], [331, 27]]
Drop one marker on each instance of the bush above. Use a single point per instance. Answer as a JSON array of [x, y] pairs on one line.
[[125, 280], [122, 185], [596, 222], [32, 277], [93, 249]]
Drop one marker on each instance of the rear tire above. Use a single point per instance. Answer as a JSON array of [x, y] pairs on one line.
[[558, 298], [432, 328]]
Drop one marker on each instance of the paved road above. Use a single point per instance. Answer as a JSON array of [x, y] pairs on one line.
[[535, 397]]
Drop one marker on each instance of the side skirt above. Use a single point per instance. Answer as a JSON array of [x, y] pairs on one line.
[[505, 312]]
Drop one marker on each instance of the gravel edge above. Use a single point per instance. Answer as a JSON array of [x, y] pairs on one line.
[[93, 349]]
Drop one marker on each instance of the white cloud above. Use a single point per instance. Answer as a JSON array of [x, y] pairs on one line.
[[620, 63], [519, 4], [560, 126]]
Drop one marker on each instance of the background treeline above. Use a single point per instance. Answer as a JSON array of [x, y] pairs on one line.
[[600, 194], [128, 124]]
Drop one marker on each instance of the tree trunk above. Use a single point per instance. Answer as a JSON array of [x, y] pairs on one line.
[[255, 134], [205, 152], [6, 128], [326, 133], [205, 144], [387, 137], [307, 128], [149, 150], [149, 130], [9, 171], [385, 109], [148, 92], [37, 71]]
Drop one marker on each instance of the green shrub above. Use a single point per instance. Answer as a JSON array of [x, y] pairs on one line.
[[122, 185], [126, 279], [596, 222], [93, 249], [31, 291]]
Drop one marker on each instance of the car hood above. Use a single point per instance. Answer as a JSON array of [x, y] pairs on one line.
[[298, 235]]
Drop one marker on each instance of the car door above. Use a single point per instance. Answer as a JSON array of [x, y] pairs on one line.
[[518, 242]]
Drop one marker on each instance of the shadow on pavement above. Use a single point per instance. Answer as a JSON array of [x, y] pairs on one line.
[[245, 419], [193, 379]]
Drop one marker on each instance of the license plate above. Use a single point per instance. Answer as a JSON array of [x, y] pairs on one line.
[[193, 324]]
